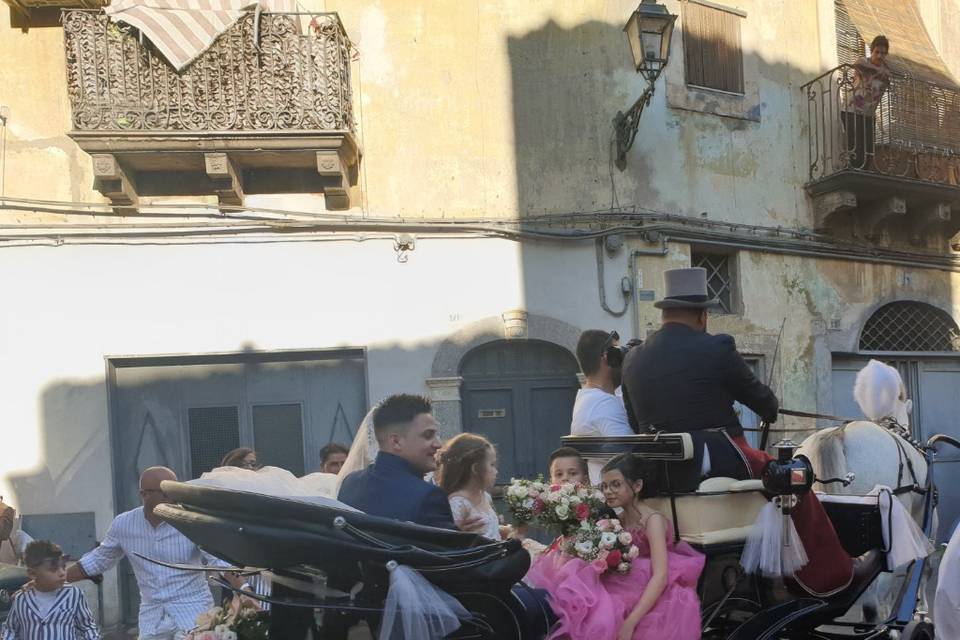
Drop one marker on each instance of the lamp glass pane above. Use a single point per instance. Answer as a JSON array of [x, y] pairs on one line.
[[651, 46], [633, 37]]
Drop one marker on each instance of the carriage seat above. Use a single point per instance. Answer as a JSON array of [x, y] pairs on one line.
[[721, 510], [713, 511]]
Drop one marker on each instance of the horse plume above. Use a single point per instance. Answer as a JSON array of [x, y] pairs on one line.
[[877, 390]]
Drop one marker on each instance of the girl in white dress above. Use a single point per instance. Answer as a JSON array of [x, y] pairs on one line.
[[467, 472]]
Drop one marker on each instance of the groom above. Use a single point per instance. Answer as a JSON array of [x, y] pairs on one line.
[[393, 486]]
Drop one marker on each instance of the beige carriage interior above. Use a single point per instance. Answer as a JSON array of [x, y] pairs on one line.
[[721, 510]]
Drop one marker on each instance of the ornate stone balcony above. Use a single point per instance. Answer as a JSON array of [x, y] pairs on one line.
[[898, 173], [267, 109]]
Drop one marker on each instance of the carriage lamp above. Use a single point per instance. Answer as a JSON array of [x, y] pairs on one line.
[[787, 475], [649, 32]]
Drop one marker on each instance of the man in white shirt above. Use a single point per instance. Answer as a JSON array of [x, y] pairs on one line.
[[170, 599], [598, 410]]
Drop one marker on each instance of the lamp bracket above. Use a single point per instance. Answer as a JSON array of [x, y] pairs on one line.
[[625, 125]]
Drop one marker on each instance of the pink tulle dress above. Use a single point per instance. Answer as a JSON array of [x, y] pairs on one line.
[[592, 606]]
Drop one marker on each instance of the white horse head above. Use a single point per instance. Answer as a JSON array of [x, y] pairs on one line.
[[881, 394]]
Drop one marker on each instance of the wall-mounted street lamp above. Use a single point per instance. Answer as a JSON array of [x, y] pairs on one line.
[[648, 31]]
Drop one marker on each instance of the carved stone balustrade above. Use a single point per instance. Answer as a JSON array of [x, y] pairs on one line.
[[894, 175], [264, 110]]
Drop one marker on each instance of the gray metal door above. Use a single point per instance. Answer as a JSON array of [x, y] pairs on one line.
[[520, 395], [187, 412], [932, 383]]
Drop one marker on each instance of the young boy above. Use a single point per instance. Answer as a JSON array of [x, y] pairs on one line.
[[567, 466], [51, 609]]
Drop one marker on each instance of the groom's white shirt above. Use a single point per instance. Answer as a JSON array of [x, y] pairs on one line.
[[598, 413]]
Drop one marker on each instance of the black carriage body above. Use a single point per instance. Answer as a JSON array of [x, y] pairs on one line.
[[350, 548]]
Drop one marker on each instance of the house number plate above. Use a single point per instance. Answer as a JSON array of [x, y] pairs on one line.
[[492, 413]]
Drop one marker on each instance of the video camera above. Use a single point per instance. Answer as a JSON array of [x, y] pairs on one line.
[[616, 353]]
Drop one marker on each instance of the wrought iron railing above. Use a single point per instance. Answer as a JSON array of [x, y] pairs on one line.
[[281, 74], [914, 132]]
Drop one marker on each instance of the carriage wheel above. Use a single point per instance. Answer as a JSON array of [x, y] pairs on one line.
[[917, 631], [496, 621], [731, 615]]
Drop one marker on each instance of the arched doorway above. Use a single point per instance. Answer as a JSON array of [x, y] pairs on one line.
[[923, 342], [519, 394]]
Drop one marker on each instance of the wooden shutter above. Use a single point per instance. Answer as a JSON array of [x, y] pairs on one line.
[[712, 51]]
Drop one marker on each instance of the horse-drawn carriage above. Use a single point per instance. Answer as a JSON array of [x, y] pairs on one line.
[[331, 566]]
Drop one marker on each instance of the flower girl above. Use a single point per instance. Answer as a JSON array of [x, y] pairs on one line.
[[466, 473], [655, 598]]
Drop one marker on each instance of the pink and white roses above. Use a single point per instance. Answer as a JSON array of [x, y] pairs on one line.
[[557, 507], [233, 623], [605, 545]]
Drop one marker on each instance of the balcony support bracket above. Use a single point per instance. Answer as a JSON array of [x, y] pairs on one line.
[[111, 180], [225, 177], [872, 217], [826, 205], [928, 218], [337, 173]]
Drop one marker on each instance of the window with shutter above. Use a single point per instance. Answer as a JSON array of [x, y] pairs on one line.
[[713, 56]]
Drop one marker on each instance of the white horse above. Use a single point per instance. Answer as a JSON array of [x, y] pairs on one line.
[[877, 455], [877, 452]]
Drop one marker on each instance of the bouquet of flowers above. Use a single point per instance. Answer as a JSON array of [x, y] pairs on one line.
[[233, 623], [522, 498], [558, 507], [604, 544], [565, 507]]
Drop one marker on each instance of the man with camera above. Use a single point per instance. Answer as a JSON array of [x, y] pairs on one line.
[[598, 410]]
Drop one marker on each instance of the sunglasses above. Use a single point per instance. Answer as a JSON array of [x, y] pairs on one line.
[[614, 353]]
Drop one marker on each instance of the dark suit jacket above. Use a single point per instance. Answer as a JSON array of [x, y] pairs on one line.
[[684, 380], [391, 488]]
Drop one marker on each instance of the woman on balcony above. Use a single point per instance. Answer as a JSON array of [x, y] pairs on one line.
[[871, 77]]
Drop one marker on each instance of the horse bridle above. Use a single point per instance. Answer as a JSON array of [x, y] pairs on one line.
[[893, 429], [891, 425]]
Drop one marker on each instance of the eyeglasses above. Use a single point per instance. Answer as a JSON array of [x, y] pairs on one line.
[[253, 466]]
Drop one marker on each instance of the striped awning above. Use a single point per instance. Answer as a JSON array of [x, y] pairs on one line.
[[183, 29]]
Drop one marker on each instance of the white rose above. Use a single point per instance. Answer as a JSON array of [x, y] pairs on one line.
[[583, 548], [633, 552], [616, 525], [565, 501], [574, 500], [562, 511], [608, 539], [585, 525], [625, 538], [623, 567]]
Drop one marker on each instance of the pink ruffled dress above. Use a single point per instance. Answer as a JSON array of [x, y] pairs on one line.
[[592, 606]]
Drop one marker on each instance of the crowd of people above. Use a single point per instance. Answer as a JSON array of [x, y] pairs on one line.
[[681, 379]]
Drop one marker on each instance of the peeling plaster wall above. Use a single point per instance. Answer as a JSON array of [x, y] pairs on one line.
[[491, 108]]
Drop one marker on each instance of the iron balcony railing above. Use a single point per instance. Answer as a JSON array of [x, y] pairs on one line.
[[914, 133], [289, 72]]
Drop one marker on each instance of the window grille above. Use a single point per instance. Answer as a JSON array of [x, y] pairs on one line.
[[213, 432], [910, 326], [719, 277], [713, 57]]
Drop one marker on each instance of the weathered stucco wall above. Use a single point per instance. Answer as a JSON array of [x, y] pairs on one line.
[[488, 109]]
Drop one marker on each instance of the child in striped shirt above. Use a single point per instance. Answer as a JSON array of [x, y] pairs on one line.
[[50, 610]]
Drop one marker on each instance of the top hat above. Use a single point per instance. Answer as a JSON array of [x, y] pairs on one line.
[[686, 289]]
